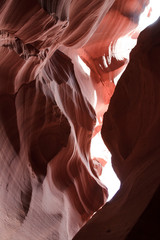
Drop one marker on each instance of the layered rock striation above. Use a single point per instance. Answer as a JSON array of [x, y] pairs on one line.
[[49, 109], [131, 132]]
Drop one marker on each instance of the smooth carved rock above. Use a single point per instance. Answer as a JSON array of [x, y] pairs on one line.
[[49, 184], [131, 132], [101, 54], [44, 121]]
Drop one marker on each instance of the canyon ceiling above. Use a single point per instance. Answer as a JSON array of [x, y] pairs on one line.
[[51, 109]]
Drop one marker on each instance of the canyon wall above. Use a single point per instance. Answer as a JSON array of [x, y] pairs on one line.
[[49, 110], [131, 132]]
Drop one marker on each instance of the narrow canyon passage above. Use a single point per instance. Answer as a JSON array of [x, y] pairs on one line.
[[79, 119]]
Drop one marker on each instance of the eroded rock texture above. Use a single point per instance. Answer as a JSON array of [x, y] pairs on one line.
[[131, 132], [49, 184]]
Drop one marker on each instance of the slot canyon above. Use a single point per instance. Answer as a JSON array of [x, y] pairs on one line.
[[79, 97]]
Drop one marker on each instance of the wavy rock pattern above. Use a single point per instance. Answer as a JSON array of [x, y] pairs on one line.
[[100, 53], [131, 132], [49, 184], [44, 121]]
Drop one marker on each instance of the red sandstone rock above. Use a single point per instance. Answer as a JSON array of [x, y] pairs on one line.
[[101, 54], [131, 132], [47, 181], [49, 184]]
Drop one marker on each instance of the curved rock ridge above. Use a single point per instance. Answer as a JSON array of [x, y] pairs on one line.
[[49, 109], [84, 17], [29, 31], [131, 132], [106, 53], [46, 125], [47, 164], [60, 81]]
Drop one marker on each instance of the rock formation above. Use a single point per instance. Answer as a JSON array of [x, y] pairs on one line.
[[131, 132], [50, 110]]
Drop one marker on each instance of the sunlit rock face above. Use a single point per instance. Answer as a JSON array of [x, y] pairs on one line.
[[131, 132], [107, 52], [50, 110]]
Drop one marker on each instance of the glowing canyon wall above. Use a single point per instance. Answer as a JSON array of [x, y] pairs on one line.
[[50, 110]]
